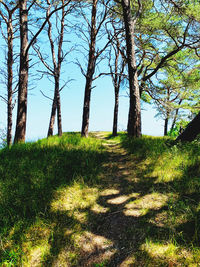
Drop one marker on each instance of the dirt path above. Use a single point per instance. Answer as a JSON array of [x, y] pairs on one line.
[[118, 224]]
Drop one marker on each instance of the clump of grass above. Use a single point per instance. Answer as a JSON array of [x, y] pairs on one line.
[[30, 175]]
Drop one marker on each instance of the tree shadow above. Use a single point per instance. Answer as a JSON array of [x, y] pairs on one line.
[[30, 174], [132, 218]]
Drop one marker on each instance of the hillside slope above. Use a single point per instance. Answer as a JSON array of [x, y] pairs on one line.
[[100, 201]]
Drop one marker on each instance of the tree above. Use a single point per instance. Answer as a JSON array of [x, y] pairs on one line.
[[134, 120], [116, 64], [10, 9], [98, 18], [56, 44], [176, 88], [25, 46]]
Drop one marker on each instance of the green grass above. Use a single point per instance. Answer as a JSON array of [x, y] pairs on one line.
[[56, 193], [168, 176], [31, 176]]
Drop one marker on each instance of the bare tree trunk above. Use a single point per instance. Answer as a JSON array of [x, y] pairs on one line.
[[90, 72], [52, 117], [175, 116], [116, 108], [23, 75], [10, 79], [58, 104], [134, 118], [166, 126], [166, 123]]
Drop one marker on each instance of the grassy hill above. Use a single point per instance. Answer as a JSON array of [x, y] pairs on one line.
[[102, 201]]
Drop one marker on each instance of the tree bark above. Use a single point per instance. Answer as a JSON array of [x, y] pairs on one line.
[[166, 126], [134, 117], [166, 122], [58, 104], [191, 131], [53, 115], [10, 79], [90, 72], [116, 108], [175, 116], [23, 75]]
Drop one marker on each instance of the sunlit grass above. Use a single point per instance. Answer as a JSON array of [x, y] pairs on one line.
[[55, 195], [40, 181], [173, 175]]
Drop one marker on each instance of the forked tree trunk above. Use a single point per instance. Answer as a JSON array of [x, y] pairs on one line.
[[134, 117], [56, 106], [191, 131], [10, 79], [90, 72], [52, 117], [23, 75]]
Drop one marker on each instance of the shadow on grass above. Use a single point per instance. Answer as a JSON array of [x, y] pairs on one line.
[[137, 219], [30, 174]]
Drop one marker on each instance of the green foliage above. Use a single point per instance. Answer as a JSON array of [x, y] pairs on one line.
[[180, 125]]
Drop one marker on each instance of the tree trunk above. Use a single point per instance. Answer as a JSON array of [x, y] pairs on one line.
[[52, 117], [10, 80], [166, 123], [56, 105], [23, 75], [134, 118], [166, 126], [191, 131], [90, 72], [59, 121], [115, 118], [175, 116]]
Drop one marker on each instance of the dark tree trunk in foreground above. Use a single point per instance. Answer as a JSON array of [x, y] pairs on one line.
[[134, 118], [90, 72], [191, 131], [23, 75]]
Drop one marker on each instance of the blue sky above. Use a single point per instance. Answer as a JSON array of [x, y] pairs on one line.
[[102, 101], [102, 104]]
